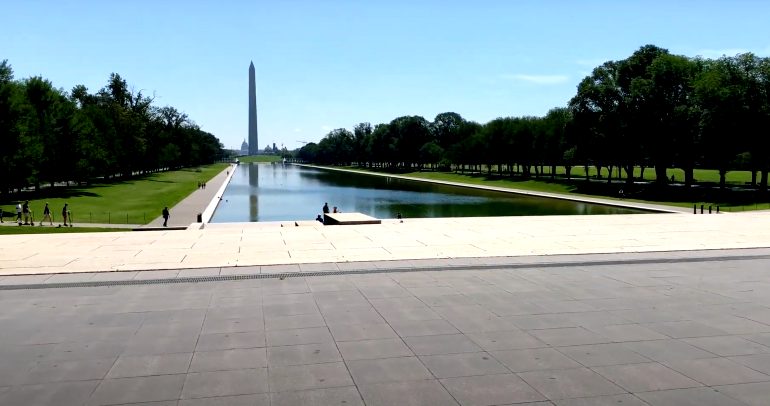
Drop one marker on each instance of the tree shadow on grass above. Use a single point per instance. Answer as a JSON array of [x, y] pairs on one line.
[[651, 192]]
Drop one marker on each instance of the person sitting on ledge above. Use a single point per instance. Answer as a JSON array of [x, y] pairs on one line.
[[335, 209], [320, 219]]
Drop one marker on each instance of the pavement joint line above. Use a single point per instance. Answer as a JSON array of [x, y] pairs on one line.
[[226, 278]]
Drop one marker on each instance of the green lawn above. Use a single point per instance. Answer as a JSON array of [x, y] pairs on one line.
[[135, 201], [259, 158], [55, 230], [667, 195]]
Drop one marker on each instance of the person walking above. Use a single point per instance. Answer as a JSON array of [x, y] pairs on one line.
[[326, 208], [1, 215], [199, 184], [46, 215], [25, 211], [18, 212], [166, 215], [65, 215]]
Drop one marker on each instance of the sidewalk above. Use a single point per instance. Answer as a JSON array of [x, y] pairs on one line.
[[186, 211], [8, 223]]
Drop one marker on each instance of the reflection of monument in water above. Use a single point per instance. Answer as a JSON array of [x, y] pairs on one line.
[[253, 198]]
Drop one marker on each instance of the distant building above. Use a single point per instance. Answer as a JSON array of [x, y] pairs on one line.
[[274, 148], [244, 148]]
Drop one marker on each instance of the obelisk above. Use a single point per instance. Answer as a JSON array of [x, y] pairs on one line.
[[253, 135]]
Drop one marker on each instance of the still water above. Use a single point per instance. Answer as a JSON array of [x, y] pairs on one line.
[[289, 193]]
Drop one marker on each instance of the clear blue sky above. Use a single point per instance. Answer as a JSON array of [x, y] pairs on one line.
[[325, 64]]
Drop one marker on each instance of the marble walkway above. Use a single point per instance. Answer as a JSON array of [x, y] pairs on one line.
[[252, 244], [633, 334]]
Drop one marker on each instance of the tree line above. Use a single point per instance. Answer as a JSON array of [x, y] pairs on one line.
[[49, 135], [651, 110]]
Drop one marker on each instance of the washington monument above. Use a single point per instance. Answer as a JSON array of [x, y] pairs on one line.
[[253, 141]]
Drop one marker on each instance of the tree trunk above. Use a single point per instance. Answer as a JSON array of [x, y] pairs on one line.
[[609, 174], [568, 169], [588, 178], [689, 177], [722, 178], [537, 173], [660, 174], [641, 174], [553, 171], [754, 178], [763, 182], [629, 175], [598, 172]]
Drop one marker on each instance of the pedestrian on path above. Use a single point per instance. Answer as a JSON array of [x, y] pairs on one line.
[[204, 185], [46, 215], [1, 215], [65, 215], [166, 215], [199, 184], [18, 212], [25, 211]]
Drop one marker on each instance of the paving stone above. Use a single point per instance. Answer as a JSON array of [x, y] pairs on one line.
[[347, 396], [352, 317], [163, 345], [374, 349], [602, 354], [303, 354], [616, 400], [716, 371], [443, 344], [467, 364], [240, 312], [423, 328], [88, 349], [586, 319], [414, 393], [535, 359], [69, 371], [752, 394], [302, 377], [727, 346], [666, 350], [137, 390], [647, 315], [491, 390], [235, 325], [394, 314], [147, 365], [688, 397], [626, 332], [645, 377], [570, 383], [241, 400], [568, 336], [505, 340], [684, 329], [388, 370], [242, 358], [228, 341], [225, 383], [50, 394], [758, 362], [298, 336], [352, 332], [295, 322], [169, 330]]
